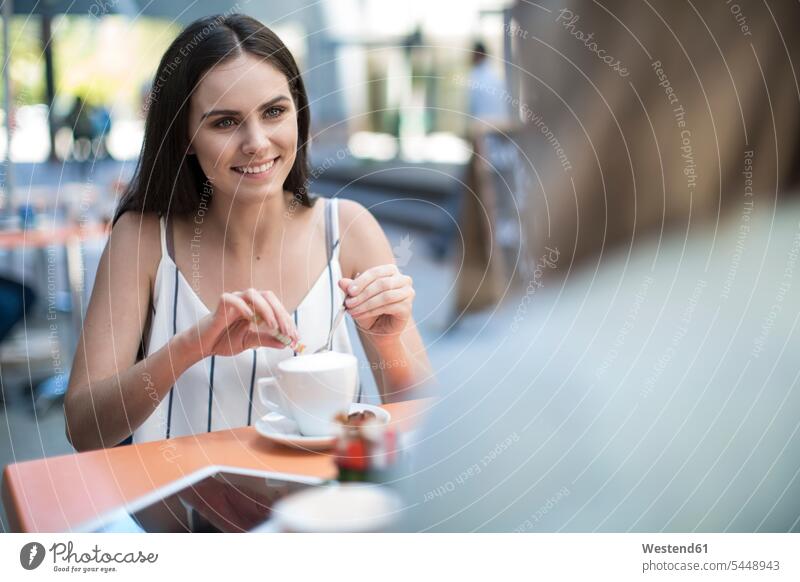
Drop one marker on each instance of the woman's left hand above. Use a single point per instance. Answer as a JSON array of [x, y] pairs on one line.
[[379, 300]]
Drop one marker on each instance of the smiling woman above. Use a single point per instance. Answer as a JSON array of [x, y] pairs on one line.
[[220, 192]]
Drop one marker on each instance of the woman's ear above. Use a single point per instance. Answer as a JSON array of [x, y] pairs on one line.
[[190, 150]]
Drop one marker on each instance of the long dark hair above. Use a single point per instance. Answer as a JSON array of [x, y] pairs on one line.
[[167, 180]]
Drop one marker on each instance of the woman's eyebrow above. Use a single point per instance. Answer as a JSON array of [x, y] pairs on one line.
[[269, 103]]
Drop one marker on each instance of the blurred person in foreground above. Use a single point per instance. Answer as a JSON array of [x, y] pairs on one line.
[[630, 399], [654, 386]]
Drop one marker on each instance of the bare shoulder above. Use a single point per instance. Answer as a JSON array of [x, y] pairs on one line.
[[363, 242], [136, 240], [356, 222]]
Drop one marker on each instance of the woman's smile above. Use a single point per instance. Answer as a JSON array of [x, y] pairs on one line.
[[257, 171]]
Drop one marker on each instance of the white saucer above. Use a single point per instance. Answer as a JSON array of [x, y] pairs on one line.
[[271, 430]]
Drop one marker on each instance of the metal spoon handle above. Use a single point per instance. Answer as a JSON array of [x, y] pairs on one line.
[[336, 321]]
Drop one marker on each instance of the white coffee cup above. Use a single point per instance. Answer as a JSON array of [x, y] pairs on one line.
[[312, 390]]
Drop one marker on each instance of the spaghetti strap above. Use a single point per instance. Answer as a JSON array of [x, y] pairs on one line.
[[332, 229], [329, 229], [335, 218], [163, 233]]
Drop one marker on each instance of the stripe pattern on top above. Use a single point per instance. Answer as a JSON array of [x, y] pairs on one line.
[[231, 400]]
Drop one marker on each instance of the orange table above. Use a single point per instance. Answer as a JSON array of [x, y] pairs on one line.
[[69, 236], [60, 235], [51, 495]]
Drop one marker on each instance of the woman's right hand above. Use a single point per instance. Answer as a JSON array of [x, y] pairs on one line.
[[243, 320]]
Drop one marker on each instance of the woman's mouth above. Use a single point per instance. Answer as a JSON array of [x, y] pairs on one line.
[[256, 171]]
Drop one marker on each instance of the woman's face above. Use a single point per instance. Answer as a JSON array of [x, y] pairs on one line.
[[243, 128]]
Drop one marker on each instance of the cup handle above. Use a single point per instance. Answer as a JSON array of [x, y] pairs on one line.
[[270, 394]]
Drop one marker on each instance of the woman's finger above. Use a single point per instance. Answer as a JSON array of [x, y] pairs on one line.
[[382, 300], [399, 308], [234, 308], [368, 276], [287, 326], [262, 308], [378, 286], [346, 282], [259, 339]]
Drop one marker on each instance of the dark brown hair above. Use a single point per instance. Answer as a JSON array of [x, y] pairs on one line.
[[167, 180]]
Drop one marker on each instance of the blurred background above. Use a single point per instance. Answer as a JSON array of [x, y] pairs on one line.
[[596, 202]]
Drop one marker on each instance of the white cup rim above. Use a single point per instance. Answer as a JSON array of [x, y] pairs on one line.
[[347, 360]]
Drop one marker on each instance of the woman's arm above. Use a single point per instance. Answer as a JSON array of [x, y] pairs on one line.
[[380, 302], [400, 365], [110, 395]]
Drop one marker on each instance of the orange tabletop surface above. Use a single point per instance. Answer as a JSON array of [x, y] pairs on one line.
[[55, 494], [42, 237]]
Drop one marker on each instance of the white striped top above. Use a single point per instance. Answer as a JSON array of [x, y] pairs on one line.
[[219, 392]]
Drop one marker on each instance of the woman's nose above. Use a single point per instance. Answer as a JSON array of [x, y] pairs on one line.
[[256, 140]]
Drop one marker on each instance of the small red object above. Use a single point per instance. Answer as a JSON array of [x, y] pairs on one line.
[[356, 455]]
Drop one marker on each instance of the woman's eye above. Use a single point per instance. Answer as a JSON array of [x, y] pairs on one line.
[[271, 113], [274, 112]]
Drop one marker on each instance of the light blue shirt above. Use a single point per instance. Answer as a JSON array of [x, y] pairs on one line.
[[488, 97]]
